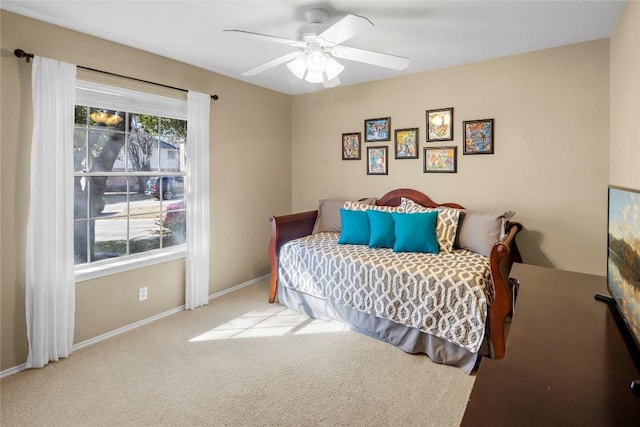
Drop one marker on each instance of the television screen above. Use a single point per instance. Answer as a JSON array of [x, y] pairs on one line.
[[623, 259]]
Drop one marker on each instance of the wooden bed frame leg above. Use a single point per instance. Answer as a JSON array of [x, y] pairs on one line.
[[274, 285], [497, 339], [273, 258]]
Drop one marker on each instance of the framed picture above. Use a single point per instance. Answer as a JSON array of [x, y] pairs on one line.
[[406, 143], [440, 125], [478, 136], [377, 129], [441, 159], [351, 146], [377, 161]]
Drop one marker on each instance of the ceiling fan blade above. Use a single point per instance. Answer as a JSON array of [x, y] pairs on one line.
[[281, 60], [344, 29], [370, 57], [269, 38]]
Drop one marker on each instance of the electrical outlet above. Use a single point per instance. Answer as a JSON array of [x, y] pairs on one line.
[[142, 293]]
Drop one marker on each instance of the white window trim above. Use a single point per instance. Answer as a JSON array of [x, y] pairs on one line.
[[110, 266], [134, 101]]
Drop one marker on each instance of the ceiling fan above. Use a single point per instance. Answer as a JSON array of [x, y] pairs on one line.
[[318, 46]]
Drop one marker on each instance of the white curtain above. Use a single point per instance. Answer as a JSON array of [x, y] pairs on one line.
[[50, 287], [197, 196]]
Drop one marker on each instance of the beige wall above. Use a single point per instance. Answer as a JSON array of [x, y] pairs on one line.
[[250, 180], [625, 98], [551, 161]]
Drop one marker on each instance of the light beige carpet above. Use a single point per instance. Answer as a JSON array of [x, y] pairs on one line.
[[238, 362]]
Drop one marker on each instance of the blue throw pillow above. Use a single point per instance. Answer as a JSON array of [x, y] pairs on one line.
[[416, 232], [355, 227], [382, 229]]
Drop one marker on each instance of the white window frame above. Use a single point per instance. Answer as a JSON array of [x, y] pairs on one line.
[[122, 99]]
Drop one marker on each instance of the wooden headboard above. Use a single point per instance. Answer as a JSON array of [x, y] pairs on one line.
[[393, 198]]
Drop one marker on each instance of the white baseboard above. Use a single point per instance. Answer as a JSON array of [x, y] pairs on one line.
[[137, 324], [126, 328], [240, 286], [13, 370]]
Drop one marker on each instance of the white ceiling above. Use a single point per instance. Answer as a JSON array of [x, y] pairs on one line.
[[432, 34]]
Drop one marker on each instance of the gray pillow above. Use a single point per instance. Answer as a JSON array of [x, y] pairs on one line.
[[479, 231], [329, 214]]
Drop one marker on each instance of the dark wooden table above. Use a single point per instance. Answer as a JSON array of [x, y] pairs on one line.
[[566, 364]]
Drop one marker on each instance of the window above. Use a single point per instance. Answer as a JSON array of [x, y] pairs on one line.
[[129, 169]]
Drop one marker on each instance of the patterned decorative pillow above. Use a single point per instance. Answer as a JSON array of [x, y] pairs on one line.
[[359, 206], [447, 226]]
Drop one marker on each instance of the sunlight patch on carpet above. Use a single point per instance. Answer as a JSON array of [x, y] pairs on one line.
[[271, 322]]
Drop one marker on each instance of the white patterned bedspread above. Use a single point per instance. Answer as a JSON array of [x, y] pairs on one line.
[[443, 295]]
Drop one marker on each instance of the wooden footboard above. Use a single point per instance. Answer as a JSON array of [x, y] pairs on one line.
[[503, 255]]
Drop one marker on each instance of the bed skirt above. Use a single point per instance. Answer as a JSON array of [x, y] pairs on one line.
[[409, 339]]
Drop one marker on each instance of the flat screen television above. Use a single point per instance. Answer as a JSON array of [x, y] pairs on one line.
[[623, 258]]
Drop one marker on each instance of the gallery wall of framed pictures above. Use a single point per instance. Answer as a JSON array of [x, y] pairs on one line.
[[478, 137]]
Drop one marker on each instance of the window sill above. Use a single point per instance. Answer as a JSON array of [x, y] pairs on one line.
[[118, 265]]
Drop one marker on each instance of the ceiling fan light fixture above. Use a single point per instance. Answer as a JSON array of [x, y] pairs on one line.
[[316, 60], [333, 68], [298, 67], [320, 44], [313, 77], [331, 83]]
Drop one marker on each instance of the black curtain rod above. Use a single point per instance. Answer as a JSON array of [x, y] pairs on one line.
[[27, 56]]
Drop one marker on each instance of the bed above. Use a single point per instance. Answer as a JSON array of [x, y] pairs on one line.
[[451, 305]]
